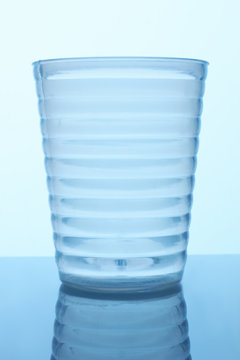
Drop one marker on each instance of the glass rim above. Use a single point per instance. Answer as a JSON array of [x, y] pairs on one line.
[[121, 58]]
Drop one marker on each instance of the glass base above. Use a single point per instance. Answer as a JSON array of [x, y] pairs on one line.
[[121, 285], [119, 276]]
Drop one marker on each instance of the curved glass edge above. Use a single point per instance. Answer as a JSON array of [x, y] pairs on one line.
[[122, 58]]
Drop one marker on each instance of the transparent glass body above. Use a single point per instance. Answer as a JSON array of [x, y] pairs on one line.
[[120, 138]]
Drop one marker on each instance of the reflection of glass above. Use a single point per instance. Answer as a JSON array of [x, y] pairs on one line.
[[130, 327], [120, 137]]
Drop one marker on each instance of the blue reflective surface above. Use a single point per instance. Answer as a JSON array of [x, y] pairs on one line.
[[126, 327], [147, 327]]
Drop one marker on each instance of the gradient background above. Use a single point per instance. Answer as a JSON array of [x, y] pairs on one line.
[[32, 30]]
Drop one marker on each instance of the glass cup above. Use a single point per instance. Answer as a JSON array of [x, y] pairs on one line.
[[120, 137]]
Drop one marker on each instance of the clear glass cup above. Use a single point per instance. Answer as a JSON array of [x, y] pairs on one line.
[[120, 137]]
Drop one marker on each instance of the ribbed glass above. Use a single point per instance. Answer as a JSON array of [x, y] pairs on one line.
[[152, 326], [120, 137]]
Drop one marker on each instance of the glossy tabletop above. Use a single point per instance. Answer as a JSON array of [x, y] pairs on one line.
[[30, 291]]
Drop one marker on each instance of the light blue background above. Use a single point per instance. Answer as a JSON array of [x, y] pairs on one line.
[[32, 30]]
